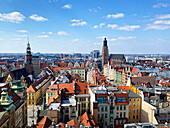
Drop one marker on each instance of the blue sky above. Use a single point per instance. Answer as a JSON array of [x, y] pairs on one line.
[[69, 26]]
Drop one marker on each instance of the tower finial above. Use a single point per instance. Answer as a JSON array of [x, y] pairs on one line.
[[28, 38]]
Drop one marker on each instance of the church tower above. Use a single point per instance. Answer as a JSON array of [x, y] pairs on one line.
[[105, 53], [28, 60]]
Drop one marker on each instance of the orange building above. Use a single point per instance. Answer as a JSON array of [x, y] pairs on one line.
[[134, 107]]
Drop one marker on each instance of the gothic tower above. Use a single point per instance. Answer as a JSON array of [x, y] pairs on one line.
[[104, 53], [28, 60]]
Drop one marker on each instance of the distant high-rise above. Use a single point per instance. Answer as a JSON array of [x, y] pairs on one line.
[[105, 52], [95, 53], [28, 60], [36, 65]]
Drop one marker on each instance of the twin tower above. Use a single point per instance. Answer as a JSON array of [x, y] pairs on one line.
[[105, 53]]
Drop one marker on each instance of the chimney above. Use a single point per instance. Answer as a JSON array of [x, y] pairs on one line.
[[95, 111], [58, 88], [74, 86]]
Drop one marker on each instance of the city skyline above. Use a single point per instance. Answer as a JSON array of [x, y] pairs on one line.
[[63, 26]]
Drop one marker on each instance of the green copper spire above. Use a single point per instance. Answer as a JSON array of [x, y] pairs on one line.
[[28, 50]]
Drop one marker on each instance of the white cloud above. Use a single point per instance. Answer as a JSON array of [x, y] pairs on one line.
[[62, 33], [95, 9], [113, 26], [125, 28], [159, 5], [1, 39], [160, 40], [113, 39], [95, 26], [101, 37], [156, 27], [126, 38], [23, 35], [38, 18], [97, 44], [50, 33], [43, 36], [47, 33], [16, 39], [52, 1], [67, 6], [114, 16], [74, 20], [22, 31], [15, 17], [166, 16], [99, 26], [78, 22], [129, 28], [162, 22], [75, 40]]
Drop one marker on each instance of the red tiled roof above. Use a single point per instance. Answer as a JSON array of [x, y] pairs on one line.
[[134, 70], [123, 87], [32, 88], [51, 99], [44, 123], [87, 120], [82, 86], [62, 64], [61, 125], [2, 63], [73, 123]]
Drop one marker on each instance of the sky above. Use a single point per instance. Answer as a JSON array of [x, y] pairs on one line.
[[80, 26]]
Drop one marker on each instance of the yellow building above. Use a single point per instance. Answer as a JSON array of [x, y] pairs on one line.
[[135, 102], [37, 89]]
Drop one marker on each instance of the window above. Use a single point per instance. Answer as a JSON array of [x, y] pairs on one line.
[[137, 104], [120, 107], [124, 107], [120, 114], [133, 116], [105, 108], [102, 116], [85, 86], [117, 115], [98, 116], [117, 107], [102, 109], [136, 116], [129, 116], [105, 115], [120, 122], [129, 104], [78, 91], [133, 104], [133, 99], [98, 109], [84, 91], [137, 110], [124, 114], [133, 110], [137, 99], [117, 122], [124, 121]]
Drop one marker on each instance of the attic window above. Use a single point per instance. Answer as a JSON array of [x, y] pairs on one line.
[[78, 91], [29, 90]]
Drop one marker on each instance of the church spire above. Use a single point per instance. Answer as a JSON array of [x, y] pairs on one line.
[[105, 42], [28, 49]]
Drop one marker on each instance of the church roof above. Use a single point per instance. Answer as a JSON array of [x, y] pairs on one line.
[[116, 57]]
